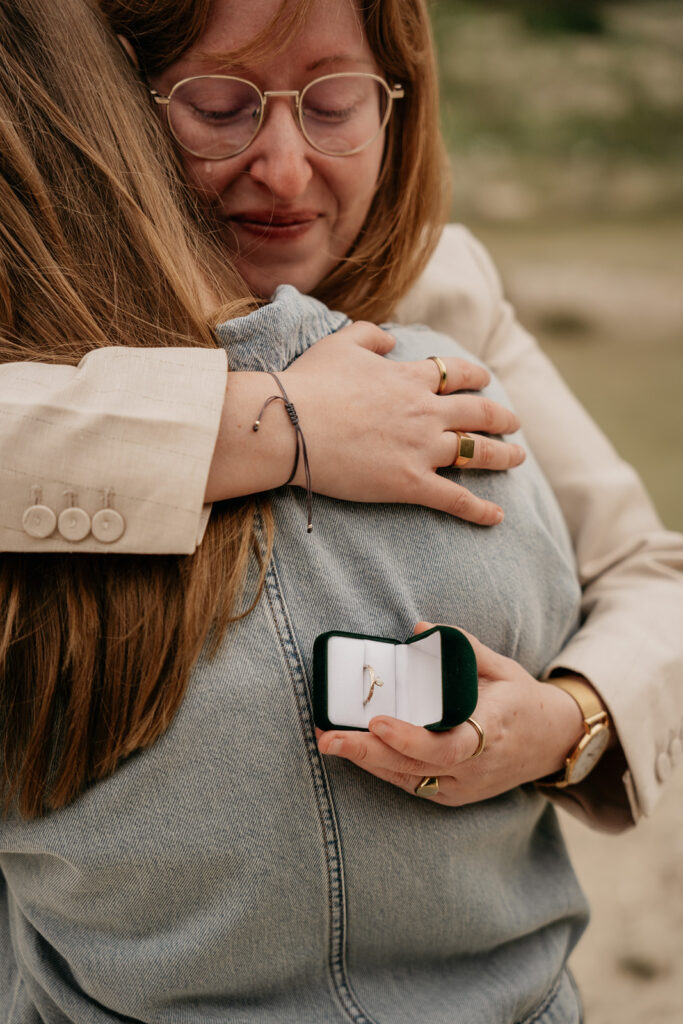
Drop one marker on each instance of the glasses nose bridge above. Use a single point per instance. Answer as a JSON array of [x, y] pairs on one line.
[[294, 97]]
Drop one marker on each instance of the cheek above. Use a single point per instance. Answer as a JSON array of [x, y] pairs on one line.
[[210, 177], [354, 185]]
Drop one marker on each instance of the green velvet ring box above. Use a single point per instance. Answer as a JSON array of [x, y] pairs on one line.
[[430, 680]]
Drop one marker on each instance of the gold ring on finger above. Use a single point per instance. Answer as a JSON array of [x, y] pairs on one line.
[[428, 787], [443, 375], [482, 738], [465, 452]]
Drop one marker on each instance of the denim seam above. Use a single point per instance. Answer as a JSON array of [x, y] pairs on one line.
[[547, 1002], [15, 997], [332, 844]]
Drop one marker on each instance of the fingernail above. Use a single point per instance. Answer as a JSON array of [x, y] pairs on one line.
[[379, 728], [498, 516], [335, 747]]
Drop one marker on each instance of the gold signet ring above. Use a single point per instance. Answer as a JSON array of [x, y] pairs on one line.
[[443, 375], [428, 787], [482, 738], [465, 448], [374, 681]]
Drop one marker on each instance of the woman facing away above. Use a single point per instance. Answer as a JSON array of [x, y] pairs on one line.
[[175, 847], [156, 861], [328, 224]]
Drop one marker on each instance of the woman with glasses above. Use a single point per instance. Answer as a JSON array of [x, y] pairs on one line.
[[228, 871], [320, 165]]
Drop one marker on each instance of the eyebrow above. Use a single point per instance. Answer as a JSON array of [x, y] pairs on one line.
[[338, 58], [217, 59]]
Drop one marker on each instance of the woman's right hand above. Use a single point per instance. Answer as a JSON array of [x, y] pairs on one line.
[[375, 429]]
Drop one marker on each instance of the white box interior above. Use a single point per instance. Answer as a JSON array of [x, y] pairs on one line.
[[411, 675]]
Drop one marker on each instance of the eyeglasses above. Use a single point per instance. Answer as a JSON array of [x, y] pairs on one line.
[[217, 116]]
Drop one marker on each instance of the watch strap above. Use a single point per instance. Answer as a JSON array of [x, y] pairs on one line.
[[595, 717], [584, 695]]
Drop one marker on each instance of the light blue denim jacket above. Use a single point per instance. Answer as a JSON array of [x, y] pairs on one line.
[[233, 874]]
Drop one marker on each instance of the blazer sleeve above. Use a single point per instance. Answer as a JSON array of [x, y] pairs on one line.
[[111, 455], [630, 643]]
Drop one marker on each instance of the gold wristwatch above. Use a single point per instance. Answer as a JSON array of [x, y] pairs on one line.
[[592, 745]]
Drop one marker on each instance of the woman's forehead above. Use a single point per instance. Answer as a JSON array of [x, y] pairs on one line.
[[330, 34]]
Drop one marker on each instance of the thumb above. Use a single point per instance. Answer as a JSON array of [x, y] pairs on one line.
[[370, 337]]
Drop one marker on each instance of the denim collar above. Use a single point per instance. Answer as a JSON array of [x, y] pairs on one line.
[[273, 336]]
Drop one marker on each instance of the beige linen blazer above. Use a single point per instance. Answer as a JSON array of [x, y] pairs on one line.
[[133, 431], [630, 645], [109, 455]]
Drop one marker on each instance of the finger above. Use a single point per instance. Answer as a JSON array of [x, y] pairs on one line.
[[446, 496], [422, 627], [479, 413], [368, 336], [438, 753], [368, 751], [461, 375], [489, 453]]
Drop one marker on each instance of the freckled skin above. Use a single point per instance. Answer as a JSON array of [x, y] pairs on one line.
[[287, 213]]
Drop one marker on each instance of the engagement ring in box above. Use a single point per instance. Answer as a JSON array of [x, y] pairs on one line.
[[429, 680]]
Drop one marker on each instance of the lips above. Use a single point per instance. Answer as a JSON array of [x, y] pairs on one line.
[[274, 225]]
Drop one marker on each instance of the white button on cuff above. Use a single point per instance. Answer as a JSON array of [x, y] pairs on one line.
[[675, 750], [108, 525], [74, 523], [663, 766], [39, 521]]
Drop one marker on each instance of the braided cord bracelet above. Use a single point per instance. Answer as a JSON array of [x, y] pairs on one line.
[[300, 443]]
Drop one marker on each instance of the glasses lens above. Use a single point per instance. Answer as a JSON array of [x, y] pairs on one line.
[[343, 113], [214, 117]]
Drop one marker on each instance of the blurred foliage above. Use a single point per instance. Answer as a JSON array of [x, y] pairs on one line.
[[582, 16], [566, 142], [562, 123]]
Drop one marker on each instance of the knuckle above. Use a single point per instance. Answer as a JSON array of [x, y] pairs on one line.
[[402, 780], [489, 411], [465, 373], [361, 752], [486, 452], [413, 766], [452, 758], [460, 503]]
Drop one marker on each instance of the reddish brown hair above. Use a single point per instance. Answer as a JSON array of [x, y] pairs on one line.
[[411, 201]]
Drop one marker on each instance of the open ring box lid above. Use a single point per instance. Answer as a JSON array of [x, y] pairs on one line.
[[430, 680]]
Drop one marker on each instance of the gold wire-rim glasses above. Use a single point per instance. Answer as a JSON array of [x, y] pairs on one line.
[[393, 92]]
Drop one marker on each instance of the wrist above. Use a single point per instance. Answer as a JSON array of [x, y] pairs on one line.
[[247, 461], [595, 735]]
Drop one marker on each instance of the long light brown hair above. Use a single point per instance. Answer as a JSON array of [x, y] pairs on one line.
[[411, 200], [98, 247]]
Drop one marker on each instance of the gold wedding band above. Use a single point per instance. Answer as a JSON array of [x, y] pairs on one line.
[[443, 375], [480, 734], [465, 449], [428, 787]]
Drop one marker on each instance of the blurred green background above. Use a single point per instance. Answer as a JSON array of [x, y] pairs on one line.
[[564, 121]]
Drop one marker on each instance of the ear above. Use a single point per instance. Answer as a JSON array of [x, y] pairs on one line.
[[130, 52]]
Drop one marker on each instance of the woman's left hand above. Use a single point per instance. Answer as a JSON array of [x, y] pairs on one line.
[[530, 727]]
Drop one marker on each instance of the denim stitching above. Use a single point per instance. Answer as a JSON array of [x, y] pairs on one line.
[[335, 872], [546, 1004]]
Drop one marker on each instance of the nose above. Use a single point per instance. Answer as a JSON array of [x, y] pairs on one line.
[[279, 156]]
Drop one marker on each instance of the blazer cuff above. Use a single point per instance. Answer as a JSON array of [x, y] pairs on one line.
[[128, 434]]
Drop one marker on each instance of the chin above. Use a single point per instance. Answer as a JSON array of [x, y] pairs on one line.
[[263, 280]]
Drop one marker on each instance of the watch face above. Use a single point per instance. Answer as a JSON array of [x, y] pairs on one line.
[[588, 753]]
